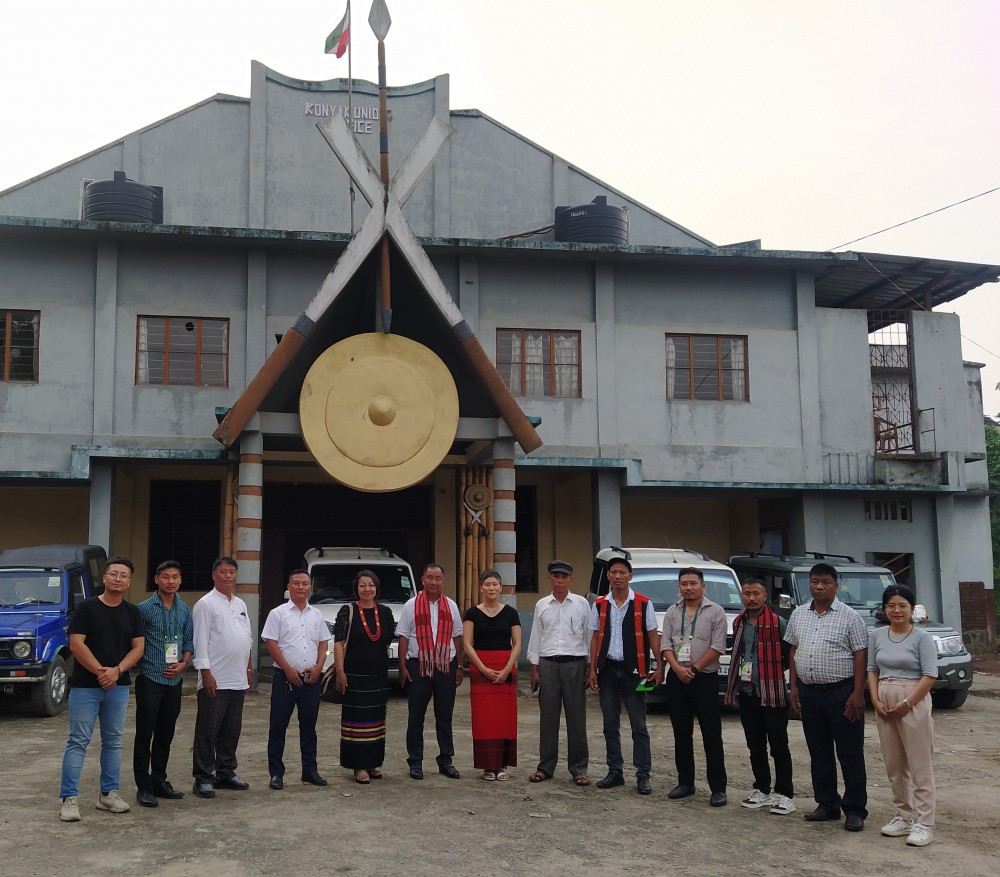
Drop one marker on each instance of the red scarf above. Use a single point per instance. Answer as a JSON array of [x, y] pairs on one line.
[[770, 660], [434, 655]]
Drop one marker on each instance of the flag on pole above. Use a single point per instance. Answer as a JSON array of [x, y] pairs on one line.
[[337, 42]]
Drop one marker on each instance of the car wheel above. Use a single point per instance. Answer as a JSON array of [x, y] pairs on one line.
[[949, 698], [49, 698]]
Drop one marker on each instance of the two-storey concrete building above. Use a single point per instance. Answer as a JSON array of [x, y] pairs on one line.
[[724, 398]]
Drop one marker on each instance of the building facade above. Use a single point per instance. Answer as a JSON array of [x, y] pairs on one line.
[[719, 398]]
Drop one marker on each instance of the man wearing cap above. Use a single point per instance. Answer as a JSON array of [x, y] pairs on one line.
[[621, 658], [557, 653]]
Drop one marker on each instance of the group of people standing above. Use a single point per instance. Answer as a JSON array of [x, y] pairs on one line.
[[611, 647]]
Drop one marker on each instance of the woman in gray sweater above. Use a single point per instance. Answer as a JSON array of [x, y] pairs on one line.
[[902, 669]]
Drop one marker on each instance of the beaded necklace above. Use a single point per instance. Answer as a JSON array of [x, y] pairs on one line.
[[378, 623]]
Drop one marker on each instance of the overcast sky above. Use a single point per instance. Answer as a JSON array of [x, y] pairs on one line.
[[803, 124]]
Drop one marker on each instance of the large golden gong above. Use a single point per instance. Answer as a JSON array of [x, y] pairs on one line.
[[379, 412]]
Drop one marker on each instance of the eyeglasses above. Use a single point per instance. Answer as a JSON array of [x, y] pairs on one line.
[[118, 576]]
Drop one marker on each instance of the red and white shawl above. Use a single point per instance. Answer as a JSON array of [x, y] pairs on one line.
[[770, 658], [433, 653]]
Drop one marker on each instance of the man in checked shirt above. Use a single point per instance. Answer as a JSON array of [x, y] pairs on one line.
[[828, 661]]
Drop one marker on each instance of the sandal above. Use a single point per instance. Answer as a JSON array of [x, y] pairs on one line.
[[362, 777], [539, 776], [581, 779], [489, 776], [375, 774], [503, 776]]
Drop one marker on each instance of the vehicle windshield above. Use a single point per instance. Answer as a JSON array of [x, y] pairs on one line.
[[660, 585], [862, 590], [20, 587], [335, 583]]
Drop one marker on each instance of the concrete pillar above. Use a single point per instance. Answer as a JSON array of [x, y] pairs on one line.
[[807, 529], [604, 353], [248, 522], [943, 602], [256, 328], [102, 484], [606, 501], [105, 331], [808, 356], [504, 514]]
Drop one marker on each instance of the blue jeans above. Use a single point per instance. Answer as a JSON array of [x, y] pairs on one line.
[[86, 706]]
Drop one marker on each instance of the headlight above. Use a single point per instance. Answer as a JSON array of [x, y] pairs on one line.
[[949, 645], [22, 648]]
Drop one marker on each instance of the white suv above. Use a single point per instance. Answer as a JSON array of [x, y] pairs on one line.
[[654, 575], [333, 571]]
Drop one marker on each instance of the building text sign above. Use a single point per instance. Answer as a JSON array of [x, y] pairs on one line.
[[363, 120]]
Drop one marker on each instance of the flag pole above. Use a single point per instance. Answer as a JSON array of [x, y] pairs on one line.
[[380, 21], [350, 106]]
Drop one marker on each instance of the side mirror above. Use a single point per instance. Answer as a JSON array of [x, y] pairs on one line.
[[287, 595], [784, 601]]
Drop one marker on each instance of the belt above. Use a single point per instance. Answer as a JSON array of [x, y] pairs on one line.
[[826, 686], [563, 659]]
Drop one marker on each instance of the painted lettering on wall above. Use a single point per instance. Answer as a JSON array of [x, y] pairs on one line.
[[361, 119]]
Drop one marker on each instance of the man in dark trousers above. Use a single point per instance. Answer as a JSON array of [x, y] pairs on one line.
[[430, 639], [169, 645], [625, 641], [106, 639], [296, 637], [757, 684]]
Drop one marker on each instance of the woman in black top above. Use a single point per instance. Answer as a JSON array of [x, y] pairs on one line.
[[493, 643], [362, 635]]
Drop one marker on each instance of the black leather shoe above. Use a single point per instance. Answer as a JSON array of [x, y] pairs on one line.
[[450, 771], [313, 778], [718, 799], [165, 790], [234, 783], [416, 772], [820, 814], [680, 792], [643, 785], [277, 783], [614, 778], [854, 823], [204, 790], [146, 798]]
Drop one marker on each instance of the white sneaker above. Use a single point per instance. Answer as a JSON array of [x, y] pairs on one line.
[[70, 810], [896, 827], [113, 802], [920, 835], [757, 800], [782, 805]]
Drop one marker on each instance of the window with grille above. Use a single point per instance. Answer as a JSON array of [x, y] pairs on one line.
[[185, 525], [707, 368], [539, 362], [182, 351], [19, 346]]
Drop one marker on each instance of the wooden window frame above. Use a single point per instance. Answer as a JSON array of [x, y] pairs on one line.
[[720, 370], [6, 329], [552, 364], [198, 321]]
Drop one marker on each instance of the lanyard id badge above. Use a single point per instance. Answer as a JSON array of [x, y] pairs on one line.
[[171, 652], [684, 652], [746, 667]]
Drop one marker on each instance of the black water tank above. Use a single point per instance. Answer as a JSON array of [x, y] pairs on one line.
[[122, 200], [593, 223]]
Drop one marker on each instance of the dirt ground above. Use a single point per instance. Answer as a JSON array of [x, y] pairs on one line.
[[439, 826]]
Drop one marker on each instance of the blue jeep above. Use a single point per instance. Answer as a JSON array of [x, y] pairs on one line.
[[39, 589]]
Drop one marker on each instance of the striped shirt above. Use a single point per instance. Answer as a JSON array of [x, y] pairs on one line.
[[164, 626], [825, 644]]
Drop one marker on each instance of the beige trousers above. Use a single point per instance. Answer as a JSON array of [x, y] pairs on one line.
[[908, 751]]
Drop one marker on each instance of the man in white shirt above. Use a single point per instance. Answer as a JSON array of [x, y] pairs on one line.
[[222, 645], [557, 653], [296, 637], [430, 639]]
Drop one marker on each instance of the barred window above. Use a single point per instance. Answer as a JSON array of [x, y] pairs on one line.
[[182, 351], [19, 346], [707, 368], [539, 362]]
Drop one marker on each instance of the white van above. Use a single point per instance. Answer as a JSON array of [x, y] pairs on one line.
[[655, 574], [333, 570]]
